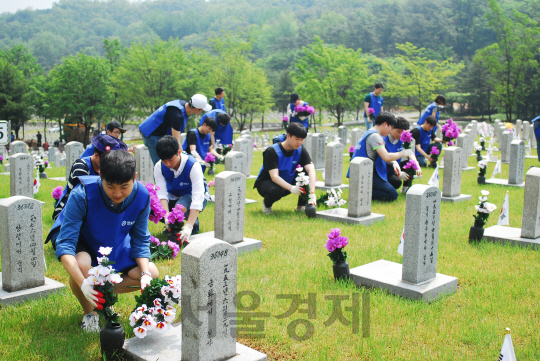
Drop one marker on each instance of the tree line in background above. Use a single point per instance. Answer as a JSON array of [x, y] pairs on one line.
[[332, 58]]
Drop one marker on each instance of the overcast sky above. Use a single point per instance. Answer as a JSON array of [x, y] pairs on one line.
[[14, 5]]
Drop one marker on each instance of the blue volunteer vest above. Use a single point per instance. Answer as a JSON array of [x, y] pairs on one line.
[[201, 146], [89, 151], [286, 165], [304, 122], [220, 104], [92, 172], [156, 119], [223, 133], [376, 104], [279, 138], [182, 184], [361, 151], [393, 148], [425, 140], [537, 130], [427, 112]]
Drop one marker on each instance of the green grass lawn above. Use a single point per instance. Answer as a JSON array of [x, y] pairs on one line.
[[498, 286]]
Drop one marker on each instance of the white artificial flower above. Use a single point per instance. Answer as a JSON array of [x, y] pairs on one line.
[[95, 280], [157, 303], [114, 278], [482, 199], [149, 323], [103, 271], [490, 207], [161, 327], [169, 316], [140, 332], [134, 317], [105, 250], [485, 193], [165, 290], [482, 139], [478, 147]]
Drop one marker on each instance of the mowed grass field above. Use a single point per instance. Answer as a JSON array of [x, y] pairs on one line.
[[498, 286]]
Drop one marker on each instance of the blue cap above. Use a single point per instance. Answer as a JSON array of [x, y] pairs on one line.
[[105, 142]]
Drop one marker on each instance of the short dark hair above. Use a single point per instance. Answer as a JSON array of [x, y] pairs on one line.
[[211, 122], [431, 120], [386, 117], [219, 90], [294, 97], [440, 99], [402, 123], [117, 166], [167, 147], [378, 86], [297, 130], [99, 152], [223, 118]]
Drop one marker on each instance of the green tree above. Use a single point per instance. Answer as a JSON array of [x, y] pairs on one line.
[[509, 59], [79, 86], [331, 78], [13, 93], [418, 78]]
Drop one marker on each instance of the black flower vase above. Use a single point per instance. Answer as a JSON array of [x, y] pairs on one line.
[[112, 338], [341, 271], [483, 147], [478, 157], [310, 211], [350, 154], [433, 164], [211, 171], [481, 179], [43, 175], [476, 234]]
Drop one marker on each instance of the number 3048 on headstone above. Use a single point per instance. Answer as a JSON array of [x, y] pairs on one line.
[[4, 132]]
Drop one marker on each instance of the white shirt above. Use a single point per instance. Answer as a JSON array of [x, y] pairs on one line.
[[197, 183]]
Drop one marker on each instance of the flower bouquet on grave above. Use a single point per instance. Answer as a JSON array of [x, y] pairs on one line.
[[155, 310], [483, 143], [156, 209], [210, 159], [334, 198], [483, 210], [303, 111], [1, 160], [371, 114], [103, 278], [57, 194], [335, 244], [406, 138], [351, 151], [482, 172], [285, 122], [175, 221], [410, 168], [163, 250], [450, 131], [434, 155], [302, 181], [478, 150], [227, 148], [219, 149]]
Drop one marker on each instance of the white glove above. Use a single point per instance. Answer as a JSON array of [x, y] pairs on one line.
[[186, 232], [418, 172], [407, 152], [397, 169], [404, 176], [313, 199], [207, 165], [145, 281], [296, 190], [92, 295], [221, 157]]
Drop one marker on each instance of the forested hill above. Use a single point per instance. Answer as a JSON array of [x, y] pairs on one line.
[[448, 27]]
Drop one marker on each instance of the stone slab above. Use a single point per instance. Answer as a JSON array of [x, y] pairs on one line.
[[247, 245], [387, 275], [320, 185], [168, 347], [531, 157], [50, 286], [467, 169], [60, 179], [341, 215], [503, 182], [510, 235], [248, 201], [252, 177], [456, 199]]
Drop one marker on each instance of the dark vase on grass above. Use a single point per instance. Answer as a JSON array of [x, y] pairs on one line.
[[481, 179], [211, 170], [341, 271], [43, 175], [478, 156], [476, 233], [112, 338], [310, 210], [433, 164]]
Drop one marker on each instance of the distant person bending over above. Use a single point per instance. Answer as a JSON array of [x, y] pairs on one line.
[[425, 139], [114, 129], [433, 109], [276, 178], [375, 101], [293, 118], [197, 142], [223, 134], [372, 146], [536, 126]]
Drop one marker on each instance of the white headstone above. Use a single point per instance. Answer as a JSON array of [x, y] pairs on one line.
[[22, 175], [74, 150], [144, 164]]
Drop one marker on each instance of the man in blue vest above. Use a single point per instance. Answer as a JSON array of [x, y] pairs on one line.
[[109, 210], [170, 119], [87, 165], [292, 114], [276, 178], [223, 134], [425, 139], [114, 129], [394, 144], [181, 181], [375, 101], [372, 146], [197, 142], [536, 127], [218, 102], [433, 109]]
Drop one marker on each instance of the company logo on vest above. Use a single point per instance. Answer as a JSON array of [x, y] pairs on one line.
[[128, 223]]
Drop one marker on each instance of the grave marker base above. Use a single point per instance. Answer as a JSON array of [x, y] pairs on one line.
[[320, 185], [168, 347], [531, 157], [456, 199], [50, 286], [247, 245], [504, 182], [60, 179], [387, 275], [341, 215], [510, 235], [462, 169], [213, 200], [252, 177]]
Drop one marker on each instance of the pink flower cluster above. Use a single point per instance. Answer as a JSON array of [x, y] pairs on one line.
[[176, 215], [304, 108], [212, 183], [1, 158], [371, 111], [173, 246], [411, 164], [156, 210], [285, 119], [209, 158], [406, 136], [335, 240], [57, 192], [435, 151], [450, 130], [351, 149]]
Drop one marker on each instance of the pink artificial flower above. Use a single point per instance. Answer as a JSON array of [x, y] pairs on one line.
[[411, 164], [351, 149], [212, 183], [406, 137], [154, 240], [285, 119], [176, 215], [175, 248], [435, 151], [57, 192], [450, 143], [371, 111]]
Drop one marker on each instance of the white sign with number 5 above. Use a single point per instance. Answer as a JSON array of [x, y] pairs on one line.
[[4, 132]]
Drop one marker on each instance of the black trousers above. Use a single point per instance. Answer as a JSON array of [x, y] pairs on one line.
[[272, 193]]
